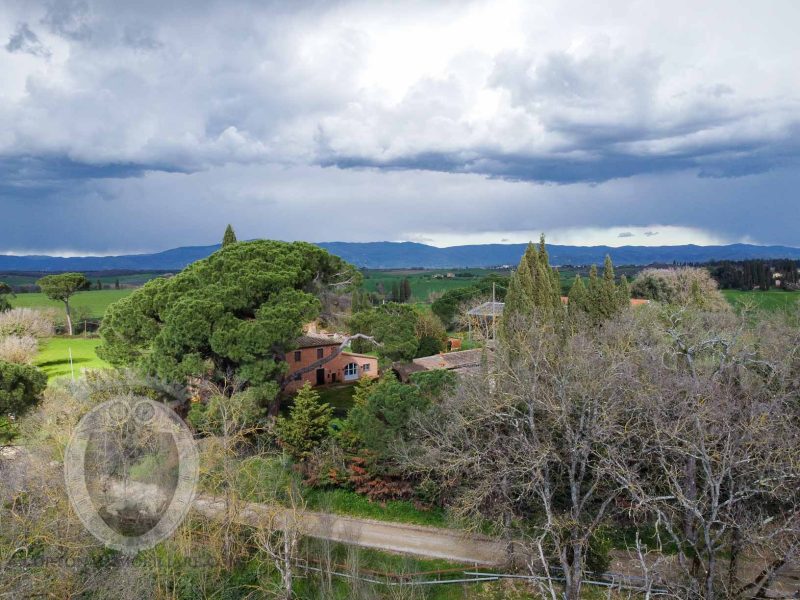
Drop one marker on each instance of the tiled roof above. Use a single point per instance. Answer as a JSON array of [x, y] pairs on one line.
[[314, 340], [450, 360]]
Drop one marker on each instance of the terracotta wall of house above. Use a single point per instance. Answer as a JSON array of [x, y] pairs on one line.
[[336, 371]]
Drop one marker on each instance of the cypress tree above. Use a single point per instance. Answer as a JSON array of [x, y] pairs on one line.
[[518, 302], [535, 285], [594, 295], [229, 237], [406, 290], [578, 296], [609, 302], [527, 271], [553, 289], [624, 293]]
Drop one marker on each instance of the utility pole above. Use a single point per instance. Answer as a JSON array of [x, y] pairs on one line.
[[494, 316]]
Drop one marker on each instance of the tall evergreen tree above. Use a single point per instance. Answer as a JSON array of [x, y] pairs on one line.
[[624, 293], [533, 286], [526, 271], [578, 297], [518, 301], [406, 290], [594, 294], [307, 425], [608, 299], [229, 237], [552, 290]]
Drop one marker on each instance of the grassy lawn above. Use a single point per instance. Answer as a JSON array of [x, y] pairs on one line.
[[340, 397], [53, 356], [94, 302], [771, 300], [345, 502]]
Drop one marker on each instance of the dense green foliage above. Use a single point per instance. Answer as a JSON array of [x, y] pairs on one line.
[[393, 325], [602, 298], [20, 389], [382, 414], [233, 314], [761, 274], [307, 424]]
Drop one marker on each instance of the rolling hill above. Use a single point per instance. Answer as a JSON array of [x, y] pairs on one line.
[[399, 255]]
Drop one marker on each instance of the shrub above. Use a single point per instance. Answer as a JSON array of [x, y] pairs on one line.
[[18, 350], [20, 387], [685, 286], [26, 322]]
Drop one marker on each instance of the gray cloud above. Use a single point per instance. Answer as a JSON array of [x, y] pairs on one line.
[[68, 18], [25, 40], [626, 234], [629, 113]]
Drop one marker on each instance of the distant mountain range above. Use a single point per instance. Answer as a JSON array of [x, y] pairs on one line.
[[399, 255]]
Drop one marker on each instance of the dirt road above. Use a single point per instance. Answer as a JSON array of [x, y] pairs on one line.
[[395, 537]]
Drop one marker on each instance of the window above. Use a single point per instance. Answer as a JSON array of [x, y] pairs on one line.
[[351, 371], [365, 366], [320, 352], [298, 355]]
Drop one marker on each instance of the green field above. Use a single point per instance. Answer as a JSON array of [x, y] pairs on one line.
[[771, 300], [53, 356], [134, 279], [423, 283], [93, 303]]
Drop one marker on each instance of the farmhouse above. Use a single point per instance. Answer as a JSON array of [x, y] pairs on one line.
[[319, 360]]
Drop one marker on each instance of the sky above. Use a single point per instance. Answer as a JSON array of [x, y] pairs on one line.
[[142, 126]]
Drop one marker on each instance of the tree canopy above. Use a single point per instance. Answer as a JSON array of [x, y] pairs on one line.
[[234, 314], [393, 325], [62, 287], [5, 290]]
